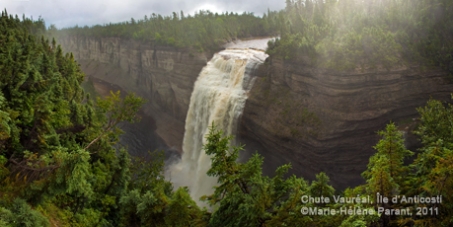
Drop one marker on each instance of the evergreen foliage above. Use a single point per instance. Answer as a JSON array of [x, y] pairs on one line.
[[56, 143], [150, 200], [244, 197], [372, 34], [204, 31], [59, 165]]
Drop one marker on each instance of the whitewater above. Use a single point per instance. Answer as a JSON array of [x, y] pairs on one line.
[[219, 96]]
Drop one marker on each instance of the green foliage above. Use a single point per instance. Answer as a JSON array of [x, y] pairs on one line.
[[204, 31], [150, 200], [183, 211], [114, 110], [21, 214], [386, 173], [392, 147], [59, 165], [320, 186], [436, 120], [359, 220], [47, 124], [4, 172], [244, 197], [433, 166], [429, 175], [378, 176], [349, 34]]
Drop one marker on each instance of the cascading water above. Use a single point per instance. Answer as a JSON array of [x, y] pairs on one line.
[[218, 97]]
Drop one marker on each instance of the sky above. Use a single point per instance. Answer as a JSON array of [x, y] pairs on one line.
[[68, 13]]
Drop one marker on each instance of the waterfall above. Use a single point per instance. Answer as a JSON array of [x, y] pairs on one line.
[[218, 97]]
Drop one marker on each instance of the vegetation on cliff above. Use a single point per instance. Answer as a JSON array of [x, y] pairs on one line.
[[337, 35], [60, 164], [202, 31], [57, 161], [372, 34]]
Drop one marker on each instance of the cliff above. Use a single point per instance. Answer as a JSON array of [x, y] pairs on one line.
[[163, 75], [317, 120], [324, 121]]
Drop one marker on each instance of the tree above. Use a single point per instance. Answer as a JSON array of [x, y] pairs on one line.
[[378, 178], [433, 166], [244, 197], [386, 174], [436, 120], [47, 123], [386, 171], [117, 110], [183, 211], [320, 187], [150, 200], [392, 147]]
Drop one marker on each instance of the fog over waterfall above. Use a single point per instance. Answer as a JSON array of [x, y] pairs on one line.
[[219, 96]]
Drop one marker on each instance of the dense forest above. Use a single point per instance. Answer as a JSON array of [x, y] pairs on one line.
[[364, 35], [61, 164], [203, 31], [335, 35]]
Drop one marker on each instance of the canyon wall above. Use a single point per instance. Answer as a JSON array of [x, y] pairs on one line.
[[317, 120], [327, 121], [162, 75]]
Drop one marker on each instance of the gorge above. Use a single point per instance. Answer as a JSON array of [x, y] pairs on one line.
[[200, 120], [317, 120]]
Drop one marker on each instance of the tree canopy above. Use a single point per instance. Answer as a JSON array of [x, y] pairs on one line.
[[203, 31], [60, 164], [372, 34]]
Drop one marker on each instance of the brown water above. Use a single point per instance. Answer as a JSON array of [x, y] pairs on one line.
[[259, 44], [218, 97]]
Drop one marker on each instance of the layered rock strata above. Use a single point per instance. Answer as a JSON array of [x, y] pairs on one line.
[[327, 121], [317, 120], [163, 75]]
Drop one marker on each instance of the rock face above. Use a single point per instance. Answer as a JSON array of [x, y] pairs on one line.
[[324, 121], [165, 76], [317, 120]]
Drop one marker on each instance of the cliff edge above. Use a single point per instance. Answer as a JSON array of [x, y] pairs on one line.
[[317, 120], [327, 121], [162, 75]]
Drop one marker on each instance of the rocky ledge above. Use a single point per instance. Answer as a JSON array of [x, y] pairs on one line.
[[315, 119], [325, 121], [162, 75]]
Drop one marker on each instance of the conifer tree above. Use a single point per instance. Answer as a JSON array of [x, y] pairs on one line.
[[433, 166], [392, 147], [320, 187], [244, 196]]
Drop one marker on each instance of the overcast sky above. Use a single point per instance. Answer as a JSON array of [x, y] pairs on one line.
[[68, 13]]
